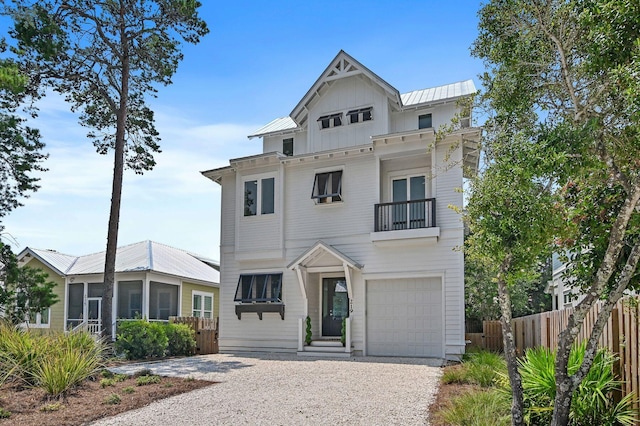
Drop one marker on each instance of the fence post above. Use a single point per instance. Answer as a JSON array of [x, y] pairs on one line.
[[615, 348]]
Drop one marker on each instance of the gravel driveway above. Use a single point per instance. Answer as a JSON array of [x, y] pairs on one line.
[[268, 389]]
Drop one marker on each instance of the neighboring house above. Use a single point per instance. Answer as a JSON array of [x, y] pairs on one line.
[[562, 294], [152, 281], [345, 218]]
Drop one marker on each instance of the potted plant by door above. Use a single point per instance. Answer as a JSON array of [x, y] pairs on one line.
[[307, 337]]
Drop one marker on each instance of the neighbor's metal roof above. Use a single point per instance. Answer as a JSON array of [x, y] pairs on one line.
[[439, 93], [142, 256], [277, 125], [59, 261]]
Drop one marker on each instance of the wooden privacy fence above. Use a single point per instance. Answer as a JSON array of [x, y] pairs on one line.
[[621, 336], [206, 333], [490, 338]]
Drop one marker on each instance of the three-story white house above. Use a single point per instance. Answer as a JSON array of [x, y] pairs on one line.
[[344, 223]]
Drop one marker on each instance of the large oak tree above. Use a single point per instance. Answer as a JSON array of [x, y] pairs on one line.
[[107, 57]]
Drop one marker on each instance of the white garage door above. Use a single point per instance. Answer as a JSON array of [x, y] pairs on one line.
[[404, 317]]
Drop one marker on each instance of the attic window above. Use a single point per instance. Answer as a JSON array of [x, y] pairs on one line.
[[329, 121], [424, 121], [359, 115], [287, 146]]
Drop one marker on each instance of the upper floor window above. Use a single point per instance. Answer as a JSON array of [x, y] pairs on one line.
[[331, 120], [359, 115], [424, 121], [259, 196], [287, 146], [327, 187]]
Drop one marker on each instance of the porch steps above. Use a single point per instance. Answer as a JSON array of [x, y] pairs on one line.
[[325, 348]]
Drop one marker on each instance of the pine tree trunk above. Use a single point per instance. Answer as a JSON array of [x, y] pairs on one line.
[[116, 189]]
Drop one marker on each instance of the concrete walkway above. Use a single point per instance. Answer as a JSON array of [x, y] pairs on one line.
[[256, 389]]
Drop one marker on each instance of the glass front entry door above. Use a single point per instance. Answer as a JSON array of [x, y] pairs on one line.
[[335, 306]]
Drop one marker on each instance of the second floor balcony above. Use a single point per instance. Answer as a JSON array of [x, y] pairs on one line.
[[402, 220]]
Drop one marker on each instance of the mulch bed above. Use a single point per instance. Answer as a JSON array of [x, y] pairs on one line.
[[86, 403]]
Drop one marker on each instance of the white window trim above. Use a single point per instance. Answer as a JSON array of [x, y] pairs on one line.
[[331, 117], [259, 178], [316, 172], [408, 174], [359, 111], [38, 323], [203, 294]]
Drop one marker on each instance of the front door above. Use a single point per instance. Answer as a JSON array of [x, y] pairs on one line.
[[94, 314], [335, 306]]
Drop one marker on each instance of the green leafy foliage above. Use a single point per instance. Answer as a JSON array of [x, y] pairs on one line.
[[113, 399], [308, 336], [147, 380], [129, 390], [180, 340], [139, 339], [25, 291], [107, 59], [561, 143], [107, 382], [481, 368], [592, 402]]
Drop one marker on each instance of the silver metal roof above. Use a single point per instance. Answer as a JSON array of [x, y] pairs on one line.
[[410, 99], [438, 94], [277, 125], [142, 256], [58, 261]]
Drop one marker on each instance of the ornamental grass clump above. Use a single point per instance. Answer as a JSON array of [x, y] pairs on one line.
[[70, 360], [55, 362]]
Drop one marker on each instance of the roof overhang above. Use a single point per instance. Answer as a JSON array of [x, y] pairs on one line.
[[25, 255]]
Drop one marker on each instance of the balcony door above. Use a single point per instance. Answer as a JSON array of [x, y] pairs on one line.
[[405, 214]]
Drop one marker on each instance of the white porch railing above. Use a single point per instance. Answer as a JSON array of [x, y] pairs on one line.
[[93, 326]]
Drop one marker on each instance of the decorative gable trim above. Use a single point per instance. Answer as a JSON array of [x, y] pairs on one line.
[[342, 66]]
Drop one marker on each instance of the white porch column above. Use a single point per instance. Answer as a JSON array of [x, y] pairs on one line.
[[347, 335], [347, 275], [303, 290]]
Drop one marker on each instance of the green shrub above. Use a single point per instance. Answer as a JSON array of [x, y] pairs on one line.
[[147, 380], [139, 339], [113, 399], [487, 407], [107, 374], [129, 389], [120, 377], [181, 340], [592, 402], [308, 335], [482, 368], [51, 407], [107, 382]]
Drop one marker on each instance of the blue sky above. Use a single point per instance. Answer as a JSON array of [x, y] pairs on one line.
[[257, 62]]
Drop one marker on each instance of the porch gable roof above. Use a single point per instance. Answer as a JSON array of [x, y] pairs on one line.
[[320, 248]]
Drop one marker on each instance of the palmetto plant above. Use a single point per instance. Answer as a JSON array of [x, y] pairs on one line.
[[592, 403]]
